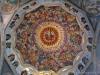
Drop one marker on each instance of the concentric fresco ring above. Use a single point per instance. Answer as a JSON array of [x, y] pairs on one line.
[[48, 38]]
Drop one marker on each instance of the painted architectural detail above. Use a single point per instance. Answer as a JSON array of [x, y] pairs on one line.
[[49, 38]]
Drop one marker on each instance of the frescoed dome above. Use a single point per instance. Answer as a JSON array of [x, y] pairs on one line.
[[48, 38]]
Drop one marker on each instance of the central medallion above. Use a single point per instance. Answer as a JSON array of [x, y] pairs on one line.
[[49, 36]]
